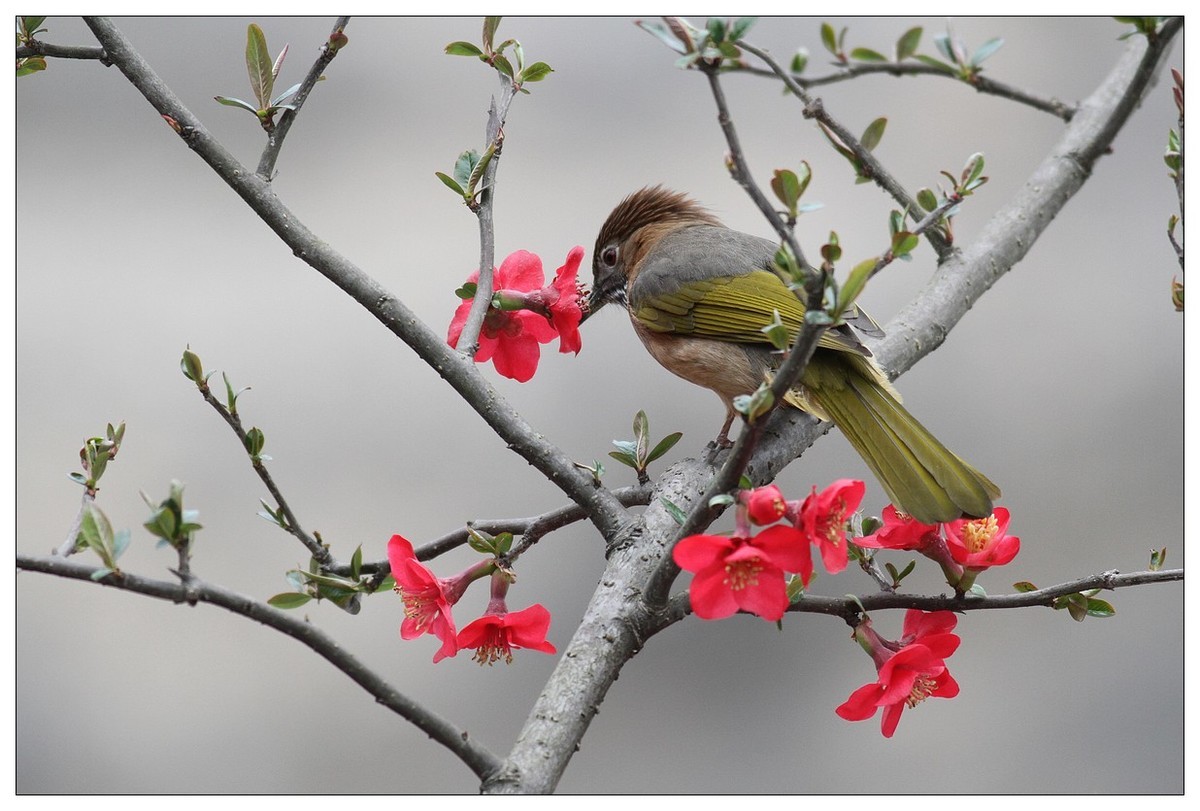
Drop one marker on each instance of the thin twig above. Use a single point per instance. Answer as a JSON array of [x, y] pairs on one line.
[[36, 48], [477, 757], [468, 341], [266, 164], [982, 84], [315, 547], [815, 108], [852, 607]]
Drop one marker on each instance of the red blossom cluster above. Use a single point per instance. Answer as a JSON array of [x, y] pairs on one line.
[[963, 548], [749, 572], [524, 313], [428, 598]]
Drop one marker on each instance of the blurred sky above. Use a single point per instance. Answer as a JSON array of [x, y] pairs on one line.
[[1064, 384]]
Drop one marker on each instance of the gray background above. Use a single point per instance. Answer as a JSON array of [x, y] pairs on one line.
[[1064, 384]]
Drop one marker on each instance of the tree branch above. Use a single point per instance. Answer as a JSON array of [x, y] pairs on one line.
[[36, 48], [266, 164], [981, 83], [477, 758], [605, 511]]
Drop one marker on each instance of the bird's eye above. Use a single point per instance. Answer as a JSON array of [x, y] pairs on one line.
[[609, 256]]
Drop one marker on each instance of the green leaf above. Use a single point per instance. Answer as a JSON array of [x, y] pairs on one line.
[[232, 102], [1024, 586], [665, 444], [855, 283], [625, 458], [721, 500], [777, 332], [716, 28], [258, 65], [255, 440], [503, 65], [904, 242], [906, 46], [463, 49], [467, 291], [641, 434], [1099, 608], [786, 186], [926, 199], [30, 64], [1157, 558], [935, 63], [873, 133], [867, 55], [355, 562], [490, 24], [289, 599], [275, 102], [479, 168], [972, 169], [463, 166], [799, 61], [679, 515], [451, 184], [829, 38], [740, 26], [120, 543], [535, 72], [191, 366], [101, 573]]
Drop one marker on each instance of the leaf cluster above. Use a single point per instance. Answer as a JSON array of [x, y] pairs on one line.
[[263, 73], [637, 453]]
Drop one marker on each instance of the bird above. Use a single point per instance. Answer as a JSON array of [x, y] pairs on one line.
[[698, 295]]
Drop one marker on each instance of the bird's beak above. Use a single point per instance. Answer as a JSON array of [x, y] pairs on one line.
[[607, 288]]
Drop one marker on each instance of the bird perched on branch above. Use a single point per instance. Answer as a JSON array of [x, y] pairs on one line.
[[699, 294]]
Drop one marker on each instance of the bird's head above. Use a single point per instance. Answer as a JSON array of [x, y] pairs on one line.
[[630, 231]]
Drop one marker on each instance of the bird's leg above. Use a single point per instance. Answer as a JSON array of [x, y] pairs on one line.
[[722, 441]]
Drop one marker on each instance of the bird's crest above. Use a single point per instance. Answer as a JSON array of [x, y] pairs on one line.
[[652, 205]]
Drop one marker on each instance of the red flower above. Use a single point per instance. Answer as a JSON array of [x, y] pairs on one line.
[[741, 572], [509, 338], [497, 632], [562, 300], [979, 543], [909, 671], [766, 505], [427, 599], [823, 519], [900, 531]]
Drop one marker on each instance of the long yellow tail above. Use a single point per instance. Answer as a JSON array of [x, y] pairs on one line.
[[921, 476]]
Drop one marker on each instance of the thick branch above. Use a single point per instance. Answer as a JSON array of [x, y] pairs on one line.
[[36, 48], [605, 511], [477, 758]]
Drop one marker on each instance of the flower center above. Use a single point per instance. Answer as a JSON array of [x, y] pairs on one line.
[[978, 534], [743, 573], [494, 648], [420, 606], [832, 524], [922, 688]]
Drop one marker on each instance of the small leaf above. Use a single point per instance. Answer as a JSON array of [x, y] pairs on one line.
[[786, 186], [1024, 586], [904, 242], [355, 562], [664, 34], [867, 55], [799, 61], [679, 515], [467, 291], [665, 444], [926, 199], [501, 64], [30, 64], [906, 46], [740, 27], [1157, 558], [231, 102], [279, 63], [535, 72], [1100, 608], [873, 133], [935, 63], [289, 599], [275, 102], [490, 24], [258, 64], [829, 38], [855, 283], [463, 49], [451, 184], [985, 50], [721, 500]]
